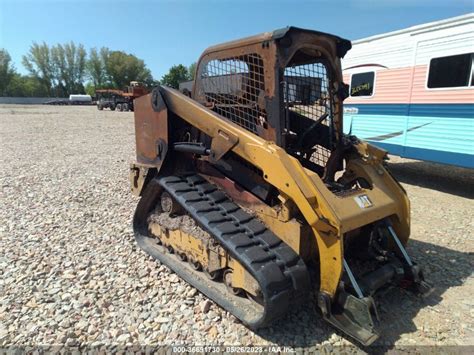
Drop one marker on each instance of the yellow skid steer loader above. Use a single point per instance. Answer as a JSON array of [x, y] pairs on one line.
[[248, 183]]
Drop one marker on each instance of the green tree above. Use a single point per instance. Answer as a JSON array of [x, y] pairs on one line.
[[177, 74], [62, 69], [7, 71], [90, 89], [69, 63], [39, 63], [25, 86], [192, 71], [122, 68], [96, 66]]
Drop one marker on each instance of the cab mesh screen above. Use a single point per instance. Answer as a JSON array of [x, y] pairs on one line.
[[233, 86], [306, 92]]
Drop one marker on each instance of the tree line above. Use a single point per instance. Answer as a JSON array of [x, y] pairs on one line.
[[64, 69]]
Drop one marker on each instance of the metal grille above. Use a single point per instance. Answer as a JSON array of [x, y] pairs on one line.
[[306, 92], [233, 87], [320, 155]]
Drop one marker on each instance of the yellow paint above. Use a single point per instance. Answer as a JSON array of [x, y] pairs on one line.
[[199, 250]]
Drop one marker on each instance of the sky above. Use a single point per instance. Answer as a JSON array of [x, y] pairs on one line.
[[164, 33]]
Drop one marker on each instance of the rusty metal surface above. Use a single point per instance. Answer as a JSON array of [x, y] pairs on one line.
[[235, 191], [274, 35], [151, 132]]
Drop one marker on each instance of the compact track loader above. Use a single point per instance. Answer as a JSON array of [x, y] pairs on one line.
[[251, 192]]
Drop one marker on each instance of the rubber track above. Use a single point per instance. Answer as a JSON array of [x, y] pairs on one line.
[[280, 272]]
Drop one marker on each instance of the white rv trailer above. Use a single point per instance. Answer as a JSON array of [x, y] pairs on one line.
[[412, 91]]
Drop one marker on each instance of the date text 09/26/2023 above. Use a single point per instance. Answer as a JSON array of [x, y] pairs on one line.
[[233, 349]]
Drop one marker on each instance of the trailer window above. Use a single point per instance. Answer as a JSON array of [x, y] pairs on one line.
[[362, 84], [451, 71]]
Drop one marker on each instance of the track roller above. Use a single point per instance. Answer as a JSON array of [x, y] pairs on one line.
[[227, 276]]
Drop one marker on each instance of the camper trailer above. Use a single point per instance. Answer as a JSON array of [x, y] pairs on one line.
[[412, 91]]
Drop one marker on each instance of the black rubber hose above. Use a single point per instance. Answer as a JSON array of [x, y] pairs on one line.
[[191, 148]]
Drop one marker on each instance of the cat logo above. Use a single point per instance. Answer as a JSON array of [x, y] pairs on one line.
[[363, 201]]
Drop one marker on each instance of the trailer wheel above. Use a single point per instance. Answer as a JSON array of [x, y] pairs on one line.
[[100, 107], [119, 107], [112, 108], [125, 107]]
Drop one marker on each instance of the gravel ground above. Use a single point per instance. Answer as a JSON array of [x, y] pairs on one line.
[[71, 272]]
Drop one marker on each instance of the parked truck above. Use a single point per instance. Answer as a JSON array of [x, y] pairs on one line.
[[120, 100]]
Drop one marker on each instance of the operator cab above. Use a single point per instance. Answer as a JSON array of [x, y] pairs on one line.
[[285, 86]]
